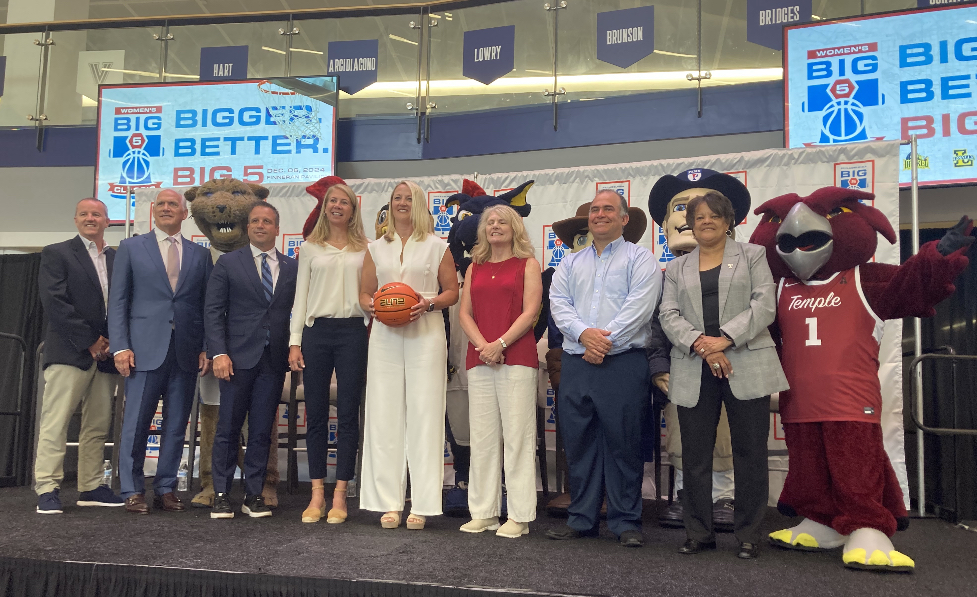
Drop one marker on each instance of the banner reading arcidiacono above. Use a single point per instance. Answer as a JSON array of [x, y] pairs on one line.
[[177, 135]]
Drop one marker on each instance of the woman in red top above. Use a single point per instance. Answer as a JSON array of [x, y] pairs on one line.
[[499, 303]]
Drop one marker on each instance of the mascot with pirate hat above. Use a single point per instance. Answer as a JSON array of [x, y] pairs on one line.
[[574, 236], [832, 302], [666, 204]]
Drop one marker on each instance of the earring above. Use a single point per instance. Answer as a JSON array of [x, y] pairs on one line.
[[729, 232]]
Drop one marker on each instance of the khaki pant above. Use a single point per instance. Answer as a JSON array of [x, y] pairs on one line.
[[722, 455], [64, 388]]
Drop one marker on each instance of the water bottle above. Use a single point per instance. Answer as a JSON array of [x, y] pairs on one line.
[[181, 477], [351, 488], [107, 473]]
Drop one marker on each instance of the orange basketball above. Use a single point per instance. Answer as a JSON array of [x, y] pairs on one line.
[[392, 303]]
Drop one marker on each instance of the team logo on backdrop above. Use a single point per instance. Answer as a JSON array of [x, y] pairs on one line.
[[553, 248], [136, 149], [666, 255], [962, 159], [922, 162], [842, 83], [291, 243], [442, 213], [621, 187], [856, 175], [201, 240]]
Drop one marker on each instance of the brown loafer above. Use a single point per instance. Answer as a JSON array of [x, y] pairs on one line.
[[136, 504], [169, 502]]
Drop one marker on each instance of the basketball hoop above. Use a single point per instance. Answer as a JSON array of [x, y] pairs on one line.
[[296, 115]]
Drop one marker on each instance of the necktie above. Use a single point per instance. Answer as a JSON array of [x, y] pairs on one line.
[[266, 283], [266, 280], [173, 263]]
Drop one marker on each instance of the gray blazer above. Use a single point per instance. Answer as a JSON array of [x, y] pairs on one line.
[[747, 305]]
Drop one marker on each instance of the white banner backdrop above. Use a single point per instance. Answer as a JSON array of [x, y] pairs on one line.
[[557, 193]]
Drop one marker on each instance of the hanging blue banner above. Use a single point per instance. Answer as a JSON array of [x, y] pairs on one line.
[[3, 72], [224, 63], [765, 20], [355, 63], [625, 36], [929, 3], [489, 53]]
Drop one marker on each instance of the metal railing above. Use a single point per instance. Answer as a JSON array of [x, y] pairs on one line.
[[915, 414]]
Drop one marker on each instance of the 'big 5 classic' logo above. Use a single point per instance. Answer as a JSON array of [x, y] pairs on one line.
[[842, 82]]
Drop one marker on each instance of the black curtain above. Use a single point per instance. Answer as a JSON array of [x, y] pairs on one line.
[[20, 315], [38, 578], [949, 395]]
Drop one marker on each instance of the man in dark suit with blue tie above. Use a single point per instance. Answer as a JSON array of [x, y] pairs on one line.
[[249, 301], [156, 305]]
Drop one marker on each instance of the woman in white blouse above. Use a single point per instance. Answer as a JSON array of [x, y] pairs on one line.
[[407, 372], [328, 331]]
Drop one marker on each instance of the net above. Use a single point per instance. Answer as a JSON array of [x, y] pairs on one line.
[[296, 115]]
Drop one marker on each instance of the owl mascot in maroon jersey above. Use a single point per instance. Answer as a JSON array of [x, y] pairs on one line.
[[832, 302]]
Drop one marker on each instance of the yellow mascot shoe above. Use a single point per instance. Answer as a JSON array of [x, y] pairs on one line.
[[878, 561], [803, 541]]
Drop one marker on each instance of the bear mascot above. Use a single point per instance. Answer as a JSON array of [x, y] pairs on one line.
[[220, 209], [832, 301]]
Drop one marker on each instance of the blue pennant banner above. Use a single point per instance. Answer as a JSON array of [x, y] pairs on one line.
[[625, 36], [489, 53], [765, 20], [224, 63], [355, 63]]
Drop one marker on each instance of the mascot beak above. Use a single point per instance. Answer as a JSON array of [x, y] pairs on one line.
[[804, 241]]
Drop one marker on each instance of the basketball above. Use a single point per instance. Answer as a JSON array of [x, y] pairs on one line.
[[392, 304]]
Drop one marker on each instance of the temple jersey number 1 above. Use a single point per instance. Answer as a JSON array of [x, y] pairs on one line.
[[812, 332]]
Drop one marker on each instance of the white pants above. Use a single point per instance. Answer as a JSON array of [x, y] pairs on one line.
[[406, 378], [502, 410]]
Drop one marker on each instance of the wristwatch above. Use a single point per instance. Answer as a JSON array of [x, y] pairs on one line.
[[430, 306]]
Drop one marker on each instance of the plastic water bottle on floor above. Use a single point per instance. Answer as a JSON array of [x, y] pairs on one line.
[[107, 473], [181, 477], [351, 488]]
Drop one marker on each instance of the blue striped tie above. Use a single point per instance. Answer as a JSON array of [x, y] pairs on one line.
[[266, 283], [266, 280]]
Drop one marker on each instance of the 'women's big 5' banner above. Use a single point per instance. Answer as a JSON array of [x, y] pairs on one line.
[[557, 194]]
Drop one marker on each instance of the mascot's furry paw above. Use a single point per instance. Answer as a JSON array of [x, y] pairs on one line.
[[808, 536], [870, 549]]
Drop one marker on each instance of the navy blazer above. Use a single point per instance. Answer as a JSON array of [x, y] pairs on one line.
[[73, 304], [144, 311], [238, 317]]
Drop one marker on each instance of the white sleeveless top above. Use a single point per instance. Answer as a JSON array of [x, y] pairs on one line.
[[419, 269]]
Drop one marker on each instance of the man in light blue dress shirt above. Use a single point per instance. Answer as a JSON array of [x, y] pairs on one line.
[[602, 299]]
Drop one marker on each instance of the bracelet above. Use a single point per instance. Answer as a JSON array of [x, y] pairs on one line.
[[502, 342]]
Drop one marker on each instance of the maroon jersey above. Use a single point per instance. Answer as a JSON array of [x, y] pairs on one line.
[[831, 350]]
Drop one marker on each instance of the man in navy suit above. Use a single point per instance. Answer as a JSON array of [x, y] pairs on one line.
[[249, 301], [156, 306], [74, 288]]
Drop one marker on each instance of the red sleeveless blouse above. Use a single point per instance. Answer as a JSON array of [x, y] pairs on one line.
[[496, 291]]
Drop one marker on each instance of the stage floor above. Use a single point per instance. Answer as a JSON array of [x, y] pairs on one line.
[[946, 556]]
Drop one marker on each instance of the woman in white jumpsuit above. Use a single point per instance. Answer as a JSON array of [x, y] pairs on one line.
[[406, 369]]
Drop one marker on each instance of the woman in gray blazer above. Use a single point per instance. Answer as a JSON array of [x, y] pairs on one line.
[[716, 305]]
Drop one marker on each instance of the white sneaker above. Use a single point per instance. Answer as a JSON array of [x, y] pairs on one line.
[[513, 530], [477, 525]]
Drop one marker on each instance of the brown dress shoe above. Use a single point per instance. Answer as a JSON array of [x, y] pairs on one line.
[[169, 502], [136, 504]]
